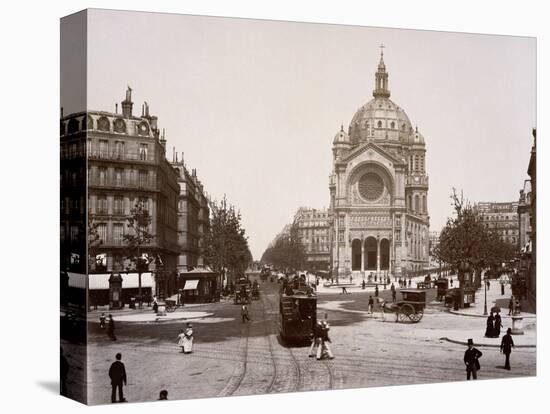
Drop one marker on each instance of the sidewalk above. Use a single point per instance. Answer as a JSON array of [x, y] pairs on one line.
[[494, 298], [355, 285]]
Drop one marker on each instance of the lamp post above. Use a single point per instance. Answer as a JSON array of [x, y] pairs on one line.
[[485, 304]]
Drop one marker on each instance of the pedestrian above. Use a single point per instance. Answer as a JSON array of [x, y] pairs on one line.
[[155, 305], [181, 336], [350, 279], [506, 346], [64, 370], [371, 305], [392, 287], [410, 281], [316, 339], [344, 291], [363, 285], [490, 329], [324, 343], [511, 305], [163, 395], [188, 338], [451, 281], [117, 373], [393, 296], [111, 328], [502, 288], [376, 291], [498, 325], [102, 320], [471, 360], [244, 313]]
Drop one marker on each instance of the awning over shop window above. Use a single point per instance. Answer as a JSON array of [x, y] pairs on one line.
[[77, 280], [191, 284], [129, 281]]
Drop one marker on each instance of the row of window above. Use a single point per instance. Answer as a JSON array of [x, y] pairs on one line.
[[103, 124], [419, 206]]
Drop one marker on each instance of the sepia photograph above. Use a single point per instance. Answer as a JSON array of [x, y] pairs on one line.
[[254, 207]]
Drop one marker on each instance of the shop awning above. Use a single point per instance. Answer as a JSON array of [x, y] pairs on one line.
[[129, 281], [191, 284], [77, 280]]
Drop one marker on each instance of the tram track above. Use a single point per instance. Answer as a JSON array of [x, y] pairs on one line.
[[240, 371]]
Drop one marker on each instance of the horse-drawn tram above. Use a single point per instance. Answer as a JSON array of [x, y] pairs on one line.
[[411, 308], [298, 314]]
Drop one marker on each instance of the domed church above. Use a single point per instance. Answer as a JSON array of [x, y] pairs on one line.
[[378, 190]]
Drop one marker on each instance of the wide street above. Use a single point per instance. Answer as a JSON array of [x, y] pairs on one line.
[[232, 358]]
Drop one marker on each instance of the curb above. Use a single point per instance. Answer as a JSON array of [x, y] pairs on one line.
[[454, 341], [482, 316]]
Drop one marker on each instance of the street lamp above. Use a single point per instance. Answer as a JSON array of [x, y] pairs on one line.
[[485, 304]]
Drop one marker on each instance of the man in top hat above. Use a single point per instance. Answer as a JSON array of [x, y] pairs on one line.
[[471, 360], [506, 347]]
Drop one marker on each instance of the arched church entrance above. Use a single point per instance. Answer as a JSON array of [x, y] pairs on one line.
[[356, 255], [370, 253], [385, 254]]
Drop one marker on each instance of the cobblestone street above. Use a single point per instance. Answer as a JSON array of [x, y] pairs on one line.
[[232, 358]]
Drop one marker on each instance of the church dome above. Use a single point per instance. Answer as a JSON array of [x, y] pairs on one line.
[[341, 137], [380, 118]]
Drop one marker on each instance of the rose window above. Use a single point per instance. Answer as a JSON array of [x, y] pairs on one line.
[[371, 186]]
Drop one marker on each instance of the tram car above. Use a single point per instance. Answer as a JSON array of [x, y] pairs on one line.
[[243, 291], [298, 316]]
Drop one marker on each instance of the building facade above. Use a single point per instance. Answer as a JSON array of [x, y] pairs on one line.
[[126, 166], [502, 218], [378, 190], [314, 232], [532, 269], [193, 216], [524, 215]]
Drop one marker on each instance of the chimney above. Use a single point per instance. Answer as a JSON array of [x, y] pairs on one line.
[[127, 104]]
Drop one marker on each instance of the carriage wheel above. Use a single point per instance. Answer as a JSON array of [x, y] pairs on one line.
[[405, 312], [415, 317]]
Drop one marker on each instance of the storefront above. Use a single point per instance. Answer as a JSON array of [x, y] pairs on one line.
[[199, 285]]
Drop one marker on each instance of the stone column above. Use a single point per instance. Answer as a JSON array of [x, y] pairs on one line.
[[362, 256], [378, 256]]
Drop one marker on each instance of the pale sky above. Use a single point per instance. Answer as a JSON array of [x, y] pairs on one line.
[[255, 105]]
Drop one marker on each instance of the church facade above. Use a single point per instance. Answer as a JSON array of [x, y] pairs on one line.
[[378, 191]]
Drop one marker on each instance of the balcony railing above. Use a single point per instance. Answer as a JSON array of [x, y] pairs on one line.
[[123, 183], [418, 180], [145, 156]]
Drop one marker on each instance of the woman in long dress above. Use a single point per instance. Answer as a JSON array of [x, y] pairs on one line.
[[489, 331], [181, 338], [188, 339]]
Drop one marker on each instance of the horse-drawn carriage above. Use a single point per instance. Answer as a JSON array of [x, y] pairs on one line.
[[255, 291], [411, 308], [243, 291]]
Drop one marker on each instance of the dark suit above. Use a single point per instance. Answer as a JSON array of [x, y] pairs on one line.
[[471, 357], [117, 373], [506, 348]]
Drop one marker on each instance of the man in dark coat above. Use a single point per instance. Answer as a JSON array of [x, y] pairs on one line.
[[506, 347], [376, 291], [111, 328], [471, 360], [117, 373]]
